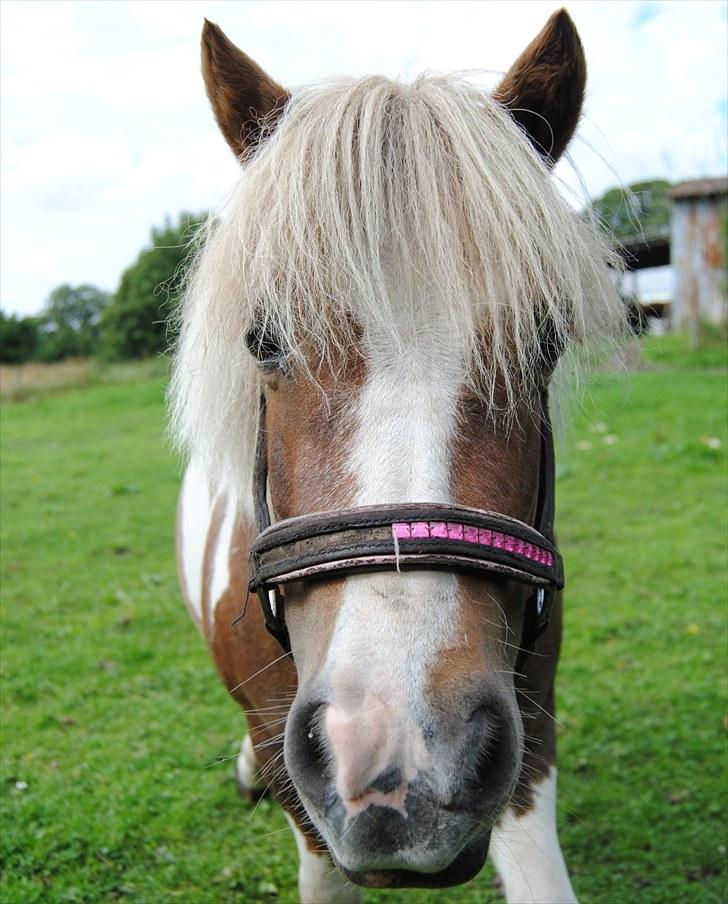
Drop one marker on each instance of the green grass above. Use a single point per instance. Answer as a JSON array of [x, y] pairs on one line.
[[115, 728]]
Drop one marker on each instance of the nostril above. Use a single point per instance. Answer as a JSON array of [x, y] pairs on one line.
[[493, 751], [307, 738], [387, 781], [478, 715], [314, 735], [307, 755]]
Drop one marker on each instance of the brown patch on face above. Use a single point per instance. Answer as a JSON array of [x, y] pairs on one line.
[[477, 650], [544, 89], [536, 700], [493, 468], [495, 465], [241, 94], [309, 438], [498, 469]]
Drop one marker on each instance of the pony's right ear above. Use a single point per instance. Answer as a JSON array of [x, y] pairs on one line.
[[243, 97], [544, 89]]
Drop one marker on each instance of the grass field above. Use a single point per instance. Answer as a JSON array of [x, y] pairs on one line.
[[116, 734]]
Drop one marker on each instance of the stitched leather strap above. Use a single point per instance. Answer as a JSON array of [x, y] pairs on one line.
[[397, 536]]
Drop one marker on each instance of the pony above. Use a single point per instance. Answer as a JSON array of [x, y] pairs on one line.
[[367, 338]]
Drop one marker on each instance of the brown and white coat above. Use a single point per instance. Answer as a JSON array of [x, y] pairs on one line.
[[399, 319]]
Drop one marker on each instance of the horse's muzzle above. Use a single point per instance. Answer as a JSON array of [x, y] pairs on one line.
[[427, 829]]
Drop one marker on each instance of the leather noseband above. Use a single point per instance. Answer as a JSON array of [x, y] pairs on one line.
[[401, 537]]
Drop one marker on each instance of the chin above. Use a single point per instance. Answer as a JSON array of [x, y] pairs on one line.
[[466, 865]]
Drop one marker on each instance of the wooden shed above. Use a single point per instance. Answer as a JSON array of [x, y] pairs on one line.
[[697, 257]]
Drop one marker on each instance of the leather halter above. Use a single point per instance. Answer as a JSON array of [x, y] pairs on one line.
[[412, 535]]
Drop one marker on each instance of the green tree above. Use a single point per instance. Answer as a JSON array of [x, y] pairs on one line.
[[18, 338], [70, 322], [642, 209], [135, 323]]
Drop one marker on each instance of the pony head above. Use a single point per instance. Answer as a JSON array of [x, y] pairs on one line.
[[397, 274]]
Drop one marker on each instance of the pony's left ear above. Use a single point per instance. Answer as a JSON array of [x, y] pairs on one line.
[[544, 89], [242, 96]]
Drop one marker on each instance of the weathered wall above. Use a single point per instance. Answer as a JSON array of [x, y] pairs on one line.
[[696, 258]]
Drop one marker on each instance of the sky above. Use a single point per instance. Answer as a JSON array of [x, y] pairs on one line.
[[105, 128]]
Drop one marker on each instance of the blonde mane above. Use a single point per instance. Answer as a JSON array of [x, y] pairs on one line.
[[373, 201]]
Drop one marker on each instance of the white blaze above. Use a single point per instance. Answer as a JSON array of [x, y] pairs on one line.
[[391, 626]]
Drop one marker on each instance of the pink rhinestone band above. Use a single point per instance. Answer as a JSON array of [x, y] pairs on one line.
[[420, 530]]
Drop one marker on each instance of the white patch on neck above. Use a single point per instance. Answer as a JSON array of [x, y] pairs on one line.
[[197, 505], [526, 852], [194, 514], [319, 882], [220, 577]]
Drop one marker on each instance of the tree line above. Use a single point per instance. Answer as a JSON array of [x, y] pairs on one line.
[[133, 322]]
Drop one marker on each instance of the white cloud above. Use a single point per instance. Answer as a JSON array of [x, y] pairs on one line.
[[106, 128]]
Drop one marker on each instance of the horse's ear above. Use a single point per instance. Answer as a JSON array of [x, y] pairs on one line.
[[544, 88], [243, 97]]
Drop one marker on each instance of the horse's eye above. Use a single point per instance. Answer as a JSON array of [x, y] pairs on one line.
[[552, 346], [264, 346]]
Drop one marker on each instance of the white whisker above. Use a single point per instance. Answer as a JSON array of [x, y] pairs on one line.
[[255, 675]]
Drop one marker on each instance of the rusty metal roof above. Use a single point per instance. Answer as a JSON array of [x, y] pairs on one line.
[[699, 188]]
